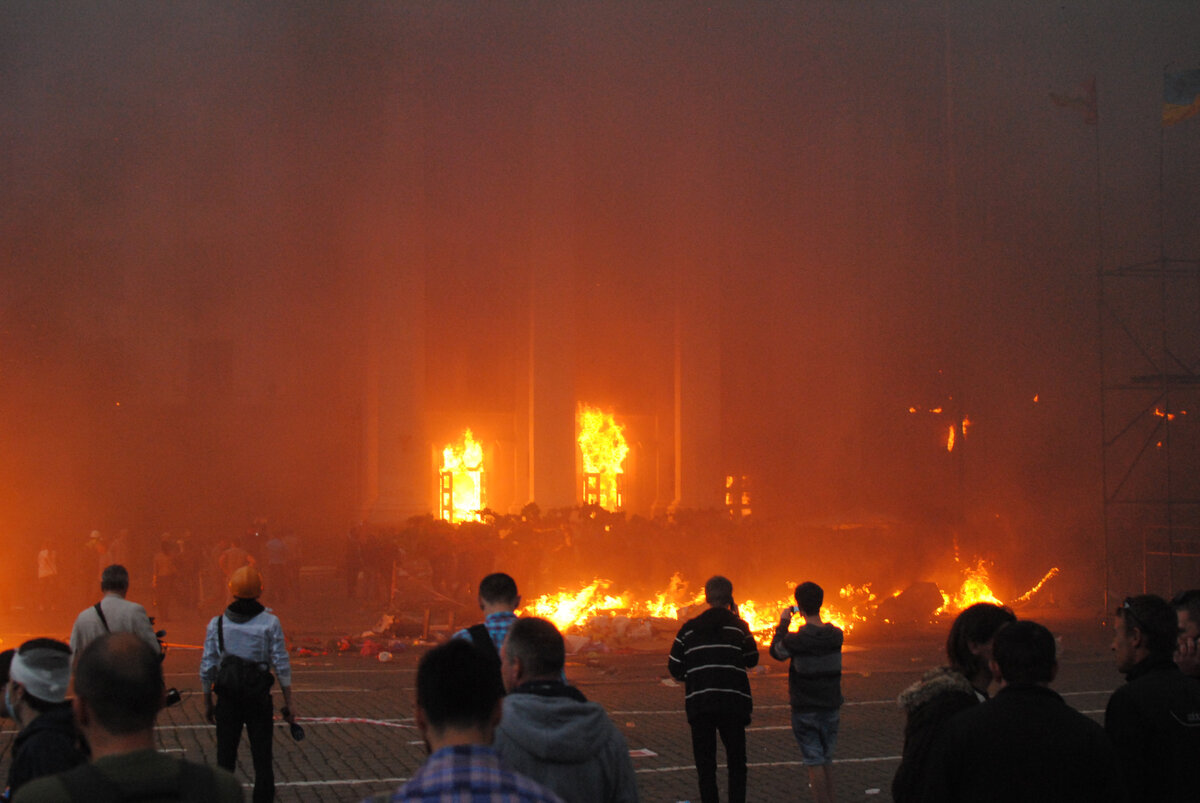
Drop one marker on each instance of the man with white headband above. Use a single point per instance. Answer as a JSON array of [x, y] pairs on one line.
[[35, 697]]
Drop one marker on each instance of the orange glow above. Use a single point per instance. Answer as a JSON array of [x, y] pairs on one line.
[[852, 605], [462, 479], [603, 448], [1026, 596], [950, 439], [974, 589]]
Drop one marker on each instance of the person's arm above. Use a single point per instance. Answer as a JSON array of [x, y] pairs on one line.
[[277, 645], [208, 670], [749, 648], [675, 659], [779, 650], [143, 629]]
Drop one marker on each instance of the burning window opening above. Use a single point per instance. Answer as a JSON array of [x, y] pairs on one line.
[[462, 491], [737, 496], [603, 450]]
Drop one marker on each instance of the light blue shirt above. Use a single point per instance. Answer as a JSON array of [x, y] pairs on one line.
[[260, 640]]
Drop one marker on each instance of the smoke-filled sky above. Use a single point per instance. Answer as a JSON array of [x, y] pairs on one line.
[[897, 213]]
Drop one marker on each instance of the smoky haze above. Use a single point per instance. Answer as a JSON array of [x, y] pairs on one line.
[[892, 211]]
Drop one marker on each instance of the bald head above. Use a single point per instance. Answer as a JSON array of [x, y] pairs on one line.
[[120, 678]]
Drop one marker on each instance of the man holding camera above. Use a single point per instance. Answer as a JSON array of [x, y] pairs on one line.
[[814, 655]]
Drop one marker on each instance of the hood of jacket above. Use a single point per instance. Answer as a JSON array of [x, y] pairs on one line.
[[933, 684], [555, 730]]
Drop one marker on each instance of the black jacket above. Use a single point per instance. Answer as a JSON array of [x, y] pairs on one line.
[[1025, 745], [711, 655], [1154, 722], [928, 704], [47, 745]]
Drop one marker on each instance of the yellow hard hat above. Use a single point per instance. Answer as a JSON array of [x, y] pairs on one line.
[[246, 583]]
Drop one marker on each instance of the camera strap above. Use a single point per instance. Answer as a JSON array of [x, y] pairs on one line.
[[103, 621]]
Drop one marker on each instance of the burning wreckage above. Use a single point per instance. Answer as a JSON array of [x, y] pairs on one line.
[[428, 593]]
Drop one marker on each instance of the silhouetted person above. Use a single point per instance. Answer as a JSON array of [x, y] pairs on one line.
[[1154, 719], [1025, 744], [943, 692], [1187, 651], [814, 656], [711, 654], [119, 690]]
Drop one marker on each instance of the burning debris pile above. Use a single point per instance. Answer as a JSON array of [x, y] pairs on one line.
[[612, 582], [595, 615]]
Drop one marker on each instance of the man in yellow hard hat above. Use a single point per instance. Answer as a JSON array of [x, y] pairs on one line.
[[241, 648]]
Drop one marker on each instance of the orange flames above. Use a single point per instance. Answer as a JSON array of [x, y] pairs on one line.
[[603, 449], [853, 605], [462, 480]]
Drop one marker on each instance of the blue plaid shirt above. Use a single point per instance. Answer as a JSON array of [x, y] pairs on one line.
[[470, 774], [498, 625]]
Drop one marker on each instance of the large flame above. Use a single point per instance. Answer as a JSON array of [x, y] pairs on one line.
[[462, 463], [603, 449]]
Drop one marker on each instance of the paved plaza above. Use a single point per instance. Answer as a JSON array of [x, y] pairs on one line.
[[357, 711]]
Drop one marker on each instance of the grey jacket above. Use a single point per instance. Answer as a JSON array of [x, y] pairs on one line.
[[572, 747]]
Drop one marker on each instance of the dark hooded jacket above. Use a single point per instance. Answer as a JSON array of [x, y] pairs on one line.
[[711, 655], [814, 655], [47, 745], [928, 704]]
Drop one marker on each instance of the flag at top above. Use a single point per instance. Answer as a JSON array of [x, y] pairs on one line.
[[1181, 96]]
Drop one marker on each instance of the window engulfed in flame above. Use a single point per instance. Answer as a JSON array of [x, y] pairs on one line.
[[462, 480], [603, 449]]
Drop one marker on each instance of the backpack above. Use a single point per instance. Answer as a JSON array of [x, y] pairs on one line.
[[239, 678], [482, 640]]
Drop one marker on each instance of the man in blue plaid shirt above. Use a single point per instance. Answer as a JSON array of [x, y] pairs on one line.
[[457, 712]]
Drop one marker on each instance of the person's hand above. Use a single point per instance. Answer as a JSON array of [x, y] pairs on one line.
[[785, 618], [210, 712], [1187, 656], [288, 714]]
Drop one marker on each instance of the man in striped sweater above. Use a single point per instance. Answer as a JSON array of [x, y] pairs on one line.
[[711, 655], [814, 653]]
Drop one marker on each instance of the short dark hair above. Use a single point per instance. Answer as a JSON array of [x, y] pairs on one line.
[[538, 645], [456, 686], [1188, 601], [976, 624], [809, 597], [1155, 618], [1025, 652], [498, 587], [718, 591], [114, 578], [120, 678]]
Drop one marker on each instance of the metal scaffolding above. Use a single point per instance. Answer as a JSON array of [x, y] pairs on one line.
[[1150, 417]]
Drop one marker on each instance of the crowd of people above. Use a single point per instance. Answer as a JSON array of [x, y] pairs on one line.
[[502, 723]]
